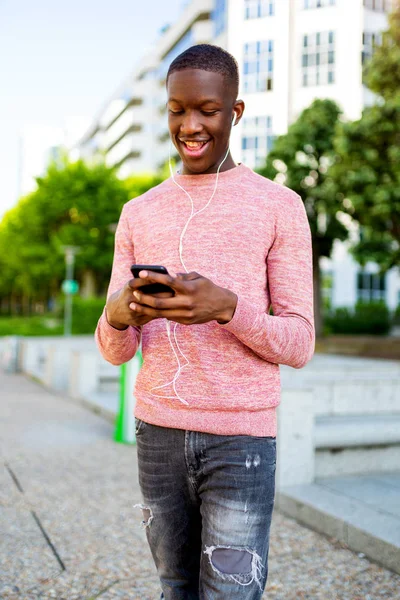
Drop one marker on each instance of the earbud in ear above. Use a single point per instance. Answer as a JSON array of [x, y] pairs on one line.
[[233, 120]]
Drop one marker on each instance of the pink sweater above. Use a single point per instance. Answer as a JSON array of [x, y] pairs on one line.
[[254, 239]]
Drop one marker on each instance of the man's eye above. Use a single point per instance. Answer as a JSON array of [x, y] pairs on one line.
[[212, 112], [176, 112]]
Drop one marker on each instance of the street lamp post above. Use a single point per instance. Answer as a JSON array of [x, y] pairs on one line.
[[69, 286]]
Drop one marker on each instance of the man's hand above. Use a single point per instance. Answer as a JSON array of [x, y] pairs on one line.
[[118, 313], [196, 300]]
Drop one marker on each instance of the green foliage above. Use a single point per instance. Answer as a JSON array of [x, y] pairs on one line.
[[326, 286], [366, 174], [300, 159], [372, 318], [85, 313], [37, 325], [375, 246], [382, 71], [74, 204], [137, 185]]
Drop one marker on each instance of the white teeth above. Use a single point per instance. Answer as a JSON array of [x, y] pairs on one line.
[[194, 144]]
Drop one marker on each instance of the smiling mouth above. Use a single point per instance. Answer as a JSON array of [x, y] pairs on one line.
[[194, 144], [195, 148]]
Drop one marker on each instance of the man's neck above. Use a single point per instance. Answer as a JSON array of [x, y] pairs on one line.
[[228, 164]]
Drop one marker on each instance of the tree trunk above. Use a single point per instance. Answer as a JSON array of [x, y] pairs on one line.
[[13, 304], [88, 288], [25, 304], [5, 305], [317, 291]]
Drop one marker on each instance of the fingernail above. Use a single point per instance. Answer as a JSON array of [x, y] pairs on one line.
[[172, 273], [143, 274], [136, 294], [132, 306]]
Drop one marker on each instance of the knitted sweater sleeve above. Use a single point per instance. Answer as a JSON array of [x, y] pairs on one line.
[[116, 346], [286, 337]]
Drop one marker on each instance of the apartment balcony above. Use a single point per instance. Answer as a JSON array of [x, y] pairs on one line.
[[131, 120], [128, 147], [193, 13]]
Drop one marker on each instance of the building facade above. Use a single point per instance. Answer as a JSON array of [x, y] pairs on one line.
[[131, 130], [289, 53]]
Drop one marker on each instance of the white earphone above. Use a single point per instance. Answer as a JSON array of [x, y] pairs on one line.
[[168, 324]]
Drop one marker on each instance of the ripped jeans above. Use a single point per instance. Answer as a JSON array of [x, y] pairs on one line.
[[207, 507]]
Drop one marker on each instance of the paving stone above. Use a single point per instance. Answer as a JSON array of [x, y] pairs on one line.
[[82, 486]]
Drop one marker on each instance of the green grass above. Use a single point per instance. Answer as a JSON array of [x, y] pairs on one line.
[[85, 315], [37, 325]]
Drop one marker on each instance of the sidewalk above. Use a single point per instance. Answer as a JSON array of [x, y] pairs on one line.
[[69, 530]]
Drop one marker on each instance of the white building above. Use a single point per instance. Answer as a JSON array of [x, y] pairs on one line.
[[289, 53], [131, 129]]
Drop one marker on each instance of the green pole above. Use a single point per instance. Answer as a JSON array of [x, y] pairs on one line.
[[119, 424], [124, 425]]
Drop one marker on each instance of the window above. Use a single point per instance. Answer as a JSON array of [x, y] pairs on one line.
[[318, 59], [369, 41], [379, 5], [258, 66], [370, 287], [318, 3], [254, 9], [219, 16], [257, 140]]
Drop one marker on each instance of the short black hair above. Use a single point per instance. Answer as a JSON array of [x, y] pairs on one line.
[[208, 58]]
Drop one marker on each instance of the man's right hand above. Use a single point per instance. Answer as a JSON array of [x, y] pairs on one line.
[[118, 313]]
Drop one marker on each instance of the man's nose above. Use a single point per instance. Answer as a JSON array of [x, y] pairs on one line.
[[191, 124]]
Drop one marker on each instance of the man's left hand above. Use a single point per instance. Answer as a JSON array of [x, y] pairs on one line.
[[196, 300]]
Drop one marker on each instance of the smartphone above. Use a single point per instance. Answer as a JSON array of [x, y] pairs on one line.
[[152, 288]]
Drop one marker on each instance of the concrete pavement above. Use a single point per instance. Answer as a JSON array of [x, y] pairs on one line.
[[69, 530]]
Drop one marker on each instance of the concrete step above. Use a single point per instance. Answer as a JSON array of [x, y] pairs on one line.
[[363, 512], [329, 367], [350, 461], [108, 382], [348, 365], [104, 403], [355, 444], [348, 386], [358, 396], [357, 430]]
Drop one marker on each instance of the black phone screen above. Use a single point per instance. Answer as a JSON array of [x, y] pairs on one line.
[[152, 288]]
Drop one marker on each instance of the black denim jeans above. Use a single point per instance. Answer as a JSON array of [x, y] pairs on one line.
[[207, 507]]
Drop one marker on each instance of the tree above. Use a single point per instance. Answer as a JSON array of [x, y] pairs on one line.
[[74, 204], [382, 71], [300, 159], [367, 169]]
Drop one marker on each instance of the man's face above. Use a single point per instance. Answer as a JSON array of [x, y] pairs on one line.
[[200, 111]]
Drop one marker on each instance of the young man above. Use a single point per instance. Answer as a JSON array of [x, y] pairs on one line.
[[207, 397]]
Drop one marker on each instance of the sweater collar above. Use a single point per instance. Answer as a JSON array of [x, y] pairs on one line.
[[205, 179]]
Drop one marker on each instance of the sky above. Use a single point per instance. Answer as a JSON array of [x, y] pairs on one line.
[[65, 59]]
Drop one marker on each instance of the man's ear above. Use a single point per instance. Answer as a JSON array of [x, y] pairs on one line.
[[238, 107]]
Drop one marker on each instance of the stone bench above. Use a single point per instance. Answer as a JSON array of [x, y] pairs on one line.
[[356, 444], [357, 430]]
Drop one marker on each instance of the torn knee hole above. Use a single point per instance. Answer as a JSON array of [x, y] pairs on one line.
[[231, 561], [238, 564], [147, 514]]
